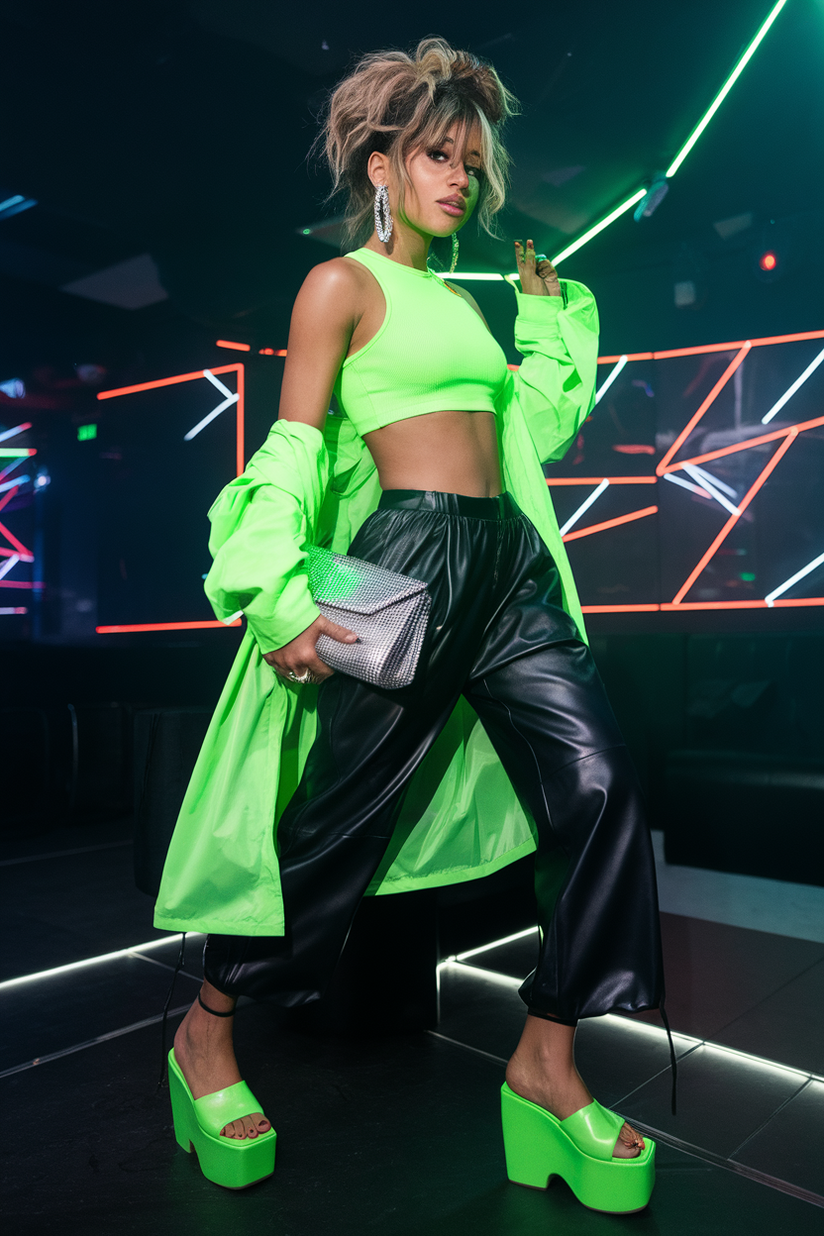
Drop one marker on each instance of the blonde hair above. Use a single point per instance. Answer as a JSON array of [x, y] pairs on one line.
[[397, 104]]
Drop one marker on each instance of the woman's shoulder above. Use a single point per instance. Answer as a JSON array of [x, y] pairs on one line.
[[338, 275]]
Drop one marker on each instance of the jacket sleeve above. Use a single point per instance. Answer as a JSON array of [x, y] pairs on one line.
[[555, 384], [262, 523]]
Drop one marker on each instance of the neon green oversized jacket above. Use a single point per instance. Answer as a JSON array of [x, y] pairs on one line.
[[460, 818]]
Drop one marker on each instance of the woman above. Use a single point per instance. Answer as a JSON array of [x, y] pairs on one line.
[[434, 470]]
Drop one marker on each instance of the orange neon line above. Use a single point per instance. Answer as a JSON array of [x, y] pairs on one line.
[[238, 347], [20, 583], [240, 417], [164, 626], [733, 519], [619, 609], [693, 421], [792, 603], [748, 442], [596, 480], [704, 348], [18, 545], [610, 523], [8, 495], [180, 377]]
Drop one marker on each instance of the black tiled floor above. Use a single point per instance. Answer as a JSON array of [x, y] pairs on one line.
[[790, 1147], [58, 910], [752, 990], [393, 1136], [398, 1136]]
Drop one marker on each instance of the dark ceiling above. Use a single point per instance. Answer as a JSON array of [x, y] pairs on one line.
[[180, 128]]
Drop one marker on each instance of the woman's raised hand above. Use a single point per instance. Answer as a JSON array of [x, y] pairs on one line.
[[298, 658], [537, 274]]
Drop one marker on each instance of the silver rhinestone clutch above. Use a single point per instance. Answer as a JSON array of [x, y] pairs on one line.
[[387, 611]]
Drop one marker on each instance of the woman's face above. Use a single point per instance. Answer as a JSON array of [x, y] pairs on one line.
[[444, 183]]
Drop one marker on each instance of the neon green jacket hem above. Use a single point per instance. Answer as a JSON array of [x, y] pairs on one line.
[[460, 818]]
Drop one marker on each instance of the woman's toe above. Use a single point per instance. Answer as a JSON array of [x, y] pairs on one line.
[[629, 1144]]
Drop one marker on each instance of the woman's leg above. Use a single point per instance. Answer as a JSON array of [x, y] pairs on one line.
[[539, 696]]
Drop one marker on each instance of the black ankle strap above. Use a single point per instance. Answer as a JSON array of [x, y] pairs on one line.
[[214, 1012]]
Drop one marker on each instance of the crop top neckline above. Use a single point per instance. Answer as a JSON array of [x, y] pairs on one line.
[[384, 257]]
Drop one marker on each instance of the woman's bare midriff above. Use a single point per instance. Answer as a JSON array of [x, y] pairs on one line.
[[451, 452]]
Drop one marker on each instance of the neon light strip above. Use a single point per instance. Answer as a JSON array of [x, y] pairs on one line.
[[158, 382], [714, 481], [770, 597], [218, 385], [9, 553], [699, 475], [470, 274], [16, 452], [207, 420], [11, 201], [15, 463], [611, 523], [800, 603], [9, 565], [706, 348], [14, 609], [585, 505], [724, 91], [236, 347], [12, 539], [13, 483], [733, 519], [710, 399], [5, 501], [748, 442], [695, 489], [164, 626], [25, 583], [619, 609], [90, 961], [799, 382], [599, 227], [596, 480], [609, 381], [12, 433]]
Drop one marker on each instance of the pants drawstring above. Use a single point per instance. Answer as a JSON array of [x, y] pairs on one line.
[[163, 1057], [673, 1062]]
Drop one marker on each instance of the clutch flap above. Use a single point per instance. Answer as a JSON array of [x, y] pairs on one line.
[[350, 583]]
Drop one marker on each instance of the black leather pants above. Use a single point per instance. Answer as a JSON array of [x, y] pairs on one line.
[[498, 635]]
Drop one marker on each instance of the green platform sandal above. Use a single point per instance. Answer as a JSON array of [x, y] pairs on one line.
[[226, 1161], [579, 1149]]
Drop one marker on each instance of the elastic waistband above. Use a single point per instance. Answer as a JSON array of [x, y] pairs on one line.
[[501, 507]]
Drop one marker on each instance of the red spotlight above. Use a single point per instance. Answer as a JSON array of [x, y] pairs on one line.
[[768, 261]]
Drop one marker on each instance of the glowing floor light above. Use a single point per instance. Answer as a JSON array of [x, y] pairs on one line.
[[799, 382], [610, 379], [788, 583], [585, 505]]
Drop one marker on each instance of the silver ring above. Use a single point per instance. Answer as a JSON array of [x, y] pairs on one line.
[[303, 678]]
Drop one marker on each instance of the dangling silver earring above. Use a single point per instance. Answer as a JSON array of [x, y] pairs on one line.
[[455, 250], [383, 215]]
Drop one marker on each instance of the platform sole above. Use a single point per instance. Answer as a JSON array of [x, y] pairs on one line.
[[227, 1162]]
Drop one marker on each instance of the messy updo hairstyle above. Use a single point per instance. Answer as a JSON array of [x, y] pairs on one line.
[[398, 104]]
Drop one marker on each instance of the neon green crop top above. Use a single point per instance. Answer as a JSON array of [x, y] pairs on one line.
[[432, 353]]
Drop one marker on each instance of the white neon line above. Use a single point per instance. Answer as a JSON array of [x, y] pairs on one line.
[[473, 952], [787, 396], [679, 480], [585, 505], [11, 201], [18, 480], [599, 227], [8, 564], [92, 961], [697, 475], [15, 463], [12, 433], [611, 378], [713, 480], [221, 407], [724, 91], [469, 274], [224, 390], [16, 609], [689, 1041], [794, 579]]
